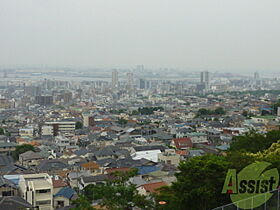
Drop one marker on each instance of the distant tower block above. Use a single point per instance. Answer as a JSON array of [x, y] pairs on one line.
[[5, 74], [115, 79], [278, 111]]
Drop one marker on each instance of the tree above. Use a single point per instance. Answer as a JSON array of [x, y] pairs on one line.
[[245, 113], [79, 125], [199, 184], [122, 121], [22, 149], [219, 111], [275, 106], [118, 193], [202, 112], [81, 203], [254, 142], [2, 131]]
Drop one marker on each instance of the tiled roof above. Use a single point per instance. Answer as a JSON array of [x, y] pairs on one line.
[[90, 165], [112, 170], [183, 143], [58, 183], [152, 187]]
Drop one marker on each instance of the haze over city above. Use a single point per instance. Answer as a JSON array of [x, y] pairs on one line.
[[191, 35]]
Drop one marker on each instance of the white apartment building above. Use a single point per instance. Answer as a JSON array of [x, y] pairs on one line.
[[37, 189]]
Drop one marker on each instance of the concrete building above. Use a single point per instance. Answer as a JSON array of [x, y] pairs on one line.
[[37, 189], [169, 157], [56, 128], [88, 120]]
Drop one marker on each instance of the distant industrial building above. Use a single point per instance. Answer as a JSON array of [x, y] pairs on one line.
[[44, 100]]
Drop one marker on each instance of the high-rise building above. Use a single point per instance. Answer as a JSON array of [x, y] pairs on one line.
[[115, 79], [140, 68], [204, 77], [204, 81], [130, 82], [256, 76]]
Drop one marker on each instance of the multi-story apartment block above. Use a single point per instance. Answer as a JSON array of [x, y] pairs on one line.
[[56, 128], [37, 189]]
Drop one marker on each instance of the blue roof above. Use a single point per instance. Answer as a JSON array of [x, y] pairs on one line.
[[223, 147], [146, 169], [66, 192]]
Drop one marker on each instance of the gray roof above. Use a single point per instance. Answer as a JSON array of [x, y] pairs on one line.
[[97, 178], [7, 144], [6, 183], [6, 160], [48, 165], [14, 203], [150, 147], [30, 155]]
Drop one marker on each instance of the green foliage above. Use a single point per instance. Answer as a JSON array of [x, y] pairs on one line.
[[200, 180], [113, 111], [217, 111], [275, 106], [199, 184], [118, 194], [22, 149], [2, 131], [149, 110], [122, 121], [245, 113], [134, 112], [79, 125], [81, 203], [254, 142]]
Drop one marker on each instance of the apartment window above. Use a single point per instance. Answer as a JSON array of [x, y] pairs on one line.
[[45, 202], [43, 191], [60, 203], [7, 193]]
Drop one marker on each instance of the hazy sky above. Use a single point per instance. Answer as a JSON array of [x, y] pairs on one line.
[[199, 34]]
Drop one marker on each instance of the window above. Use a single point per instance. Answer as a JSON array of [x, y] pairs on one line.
[[7, 193], [43, 191], [45, 202], [60, 203]]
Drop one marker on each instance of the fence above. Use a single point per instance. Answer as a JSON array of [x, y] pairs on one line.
[[272, 204]]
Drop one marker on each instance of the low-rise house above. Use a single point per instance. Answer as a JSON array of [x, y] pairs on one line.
[[182, 143], [7, 188], [149, 152], [87, 180], [169, 157], [7, 147], [63, 197], [150, 188], [30, 159], [91, 167], [58, 184], [198, 138], [51, 167], [14, 202]]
